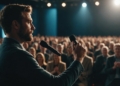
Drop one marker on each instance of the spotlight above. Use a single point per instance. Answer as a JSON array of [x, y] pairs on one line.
[[97, 3], [84, 4], [117, 2], [49, 4], [63, 4]]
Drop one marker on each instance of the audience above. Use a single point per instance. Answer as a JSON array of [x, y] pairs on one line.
[[64, 57], [70, 53], [104, 51], [112, 68]]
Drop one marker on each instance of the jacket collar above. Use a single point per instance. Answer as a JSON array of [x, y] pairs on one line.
[[11, 41]]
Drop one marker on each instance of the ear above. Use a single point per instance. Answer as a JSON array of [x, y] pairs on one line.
[[15, 25]]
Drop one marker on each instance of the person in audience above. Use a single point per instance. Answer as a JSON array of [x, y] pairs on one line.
[[112, 68], [32, 51], [98, 51], [56, 66], [64, 57], [43, 50], [87, 63], [99, 77], [111, 47], [41, 60], [35, 45], [89, 50], [70, 53], [17, 66], [54, 46]]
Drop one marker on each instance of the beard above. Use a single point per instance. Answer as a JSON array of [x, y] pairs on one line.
[[25, 36]]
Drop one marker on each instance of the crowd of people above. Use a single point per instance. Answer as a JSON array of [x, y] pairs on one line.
[[100, 61]]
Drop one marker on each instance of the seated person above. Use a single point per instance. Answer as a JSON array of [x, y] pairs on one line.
[[56, 66], [41, 60]]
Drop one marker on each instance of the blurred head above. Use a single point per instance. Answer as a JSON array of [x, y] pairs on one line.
[[60, 48], [104, 50], [54, 45], [88, 45], [111, 46], [35, 45], [40, 58], [56, 58], [32, 51], [117, 49], [70, 49], [101, 45], [43, 49]]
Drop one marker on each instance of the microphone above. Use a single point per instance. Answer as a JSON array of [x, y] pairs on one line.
[[73, 39], [44, 44]]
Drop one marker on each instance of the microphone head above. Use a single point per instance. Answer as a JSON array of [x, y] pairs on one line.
[[43, 44], [72, 38]]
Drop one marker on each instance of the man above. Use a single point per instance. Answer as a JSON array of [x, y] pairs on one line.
[[112, 68], [83, 79], [17, 66], [99, 77], [87, 63], [98, 51]]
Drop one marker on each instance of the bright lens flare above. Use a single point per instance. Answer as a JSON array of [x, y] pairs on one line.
[[84, 4], [49, 4], [117, 2], [97, 3], [63, 4]]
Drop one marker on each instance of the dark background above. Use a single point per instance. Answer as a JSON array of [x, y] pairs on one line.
[[103, 20]]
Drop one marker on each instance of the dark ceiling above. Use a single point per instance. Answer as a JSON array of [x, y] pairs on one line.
[[34, 3]]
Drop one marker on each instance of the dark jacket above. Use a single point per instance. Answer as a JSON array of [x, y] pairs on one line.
[[99, 65], [19, 68], [109, 71]]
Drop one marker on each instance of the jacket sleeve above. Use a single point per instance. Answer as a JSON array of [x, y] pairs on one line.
[[27, 67]]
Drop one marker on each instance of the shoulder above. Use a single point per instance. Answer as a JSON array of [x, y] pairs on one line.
[[99, 57], [111, 57], [88, 58]]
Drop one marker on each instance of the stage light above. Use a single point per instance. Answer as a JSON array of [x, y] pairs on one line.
[[84, 4], [117, 2], [97, 3], [63, 4], [49, 4]]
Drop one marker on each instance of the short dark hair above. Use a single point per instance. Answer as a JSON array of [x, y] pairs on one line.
[[12, 12]]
